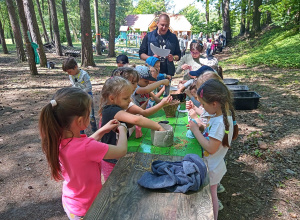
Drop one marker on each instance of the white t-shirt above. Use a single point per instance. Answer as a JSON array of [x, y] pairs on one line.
[[216, 165]]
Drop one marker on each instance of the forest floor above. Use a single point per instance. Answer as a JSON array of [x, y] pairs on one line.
[[262, 181]]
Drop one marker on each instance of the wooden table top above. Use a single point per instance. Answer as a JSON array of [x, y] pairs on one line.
[[182, 145], [122, 198]]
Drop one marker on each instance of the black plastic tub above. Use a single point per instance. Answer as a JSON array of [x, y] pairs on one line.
[[181, 97], [235, 88], [231, 81], [245, 100]]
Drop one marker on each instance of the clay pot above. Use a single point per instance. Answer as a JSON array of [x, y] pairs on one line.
[[163, 138]]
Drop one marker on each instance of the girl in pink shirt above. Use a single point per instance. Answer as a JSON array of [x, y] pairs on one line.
[[72, 157]]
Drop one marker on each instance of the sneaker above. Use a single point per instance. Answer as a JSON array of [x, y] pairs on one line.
[[220, 205], [220, 188]]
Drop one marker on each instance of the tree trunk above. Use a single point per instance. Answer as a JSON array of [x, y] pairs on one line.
[[42, 21], [207, 11], [226, 20], [87, 58], [50, 23], [112, 28], [30, 53], [75, 31], [68, 35], [11, 34], [243, 17], [98, 38], [31, 20], [2, 38], [256, 16], [249, 12], [55, 27], [16, 29]]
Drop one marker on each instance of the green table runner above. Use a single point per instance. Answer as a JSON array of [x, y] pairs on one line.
[[182, 145]]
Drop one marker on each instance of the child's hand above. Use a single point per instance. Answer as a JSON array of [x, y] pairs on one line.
[[167, 100], [161, 128], [192, 113], [193, 126], [111, 125], [189, 105], [165, 82], [168, 77], [185, 67]]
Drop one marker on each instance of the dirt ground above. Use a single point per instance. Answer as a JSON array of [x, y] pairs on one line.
[[262, 181]]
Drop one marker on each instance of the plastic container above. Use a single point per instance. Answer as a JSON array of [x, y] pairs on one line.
[[235, 88], [245, 100], [231, 81], [163, 138], [181, 97]]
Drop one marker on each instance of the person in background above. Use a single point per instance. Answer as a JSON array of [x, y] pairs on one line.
[[162, 37], [144, 90], [122, 60], [80, 79], [72, 157]]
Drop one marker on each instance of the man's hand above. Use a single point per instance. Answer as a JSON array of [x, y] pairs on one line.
[[170, 57]]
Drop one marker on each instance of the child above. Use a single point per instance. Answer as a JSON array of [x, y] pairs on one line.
[[154, 65], [115, 99], [132, 76], [143, 91], [73, 157], [122, 60], [216, 99], [80, 79]]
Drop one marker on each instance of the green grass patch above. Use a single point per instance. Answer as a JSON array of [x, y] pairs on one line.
[[275, 48]]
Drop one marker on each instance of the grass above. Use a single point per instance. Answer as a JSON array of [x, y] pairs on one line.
[[275, 48]]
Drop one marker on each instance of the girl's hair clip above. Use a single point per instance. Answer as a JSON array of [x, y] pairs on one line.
[[226, 132], [201, 45], [234, 122], [201, 94], [53, 103]]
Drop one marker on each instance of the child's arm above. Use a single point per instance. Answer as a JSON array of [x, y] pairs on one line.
[[161, 91], [211, 145], [119, 150], [152, 86], [111, 125], [154, 97], [150, 111], [138, 120], [193, 115]]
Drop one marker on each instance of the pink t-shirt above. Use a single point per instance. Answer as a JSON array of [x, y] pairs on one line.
[[80, 161]]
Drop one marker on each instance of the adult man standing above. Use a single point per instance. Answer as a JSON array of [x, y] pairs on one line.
[[163, 38]]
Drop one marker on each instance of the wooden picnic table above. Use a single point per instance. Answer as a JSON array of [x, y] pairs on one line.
[[122, 198]]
